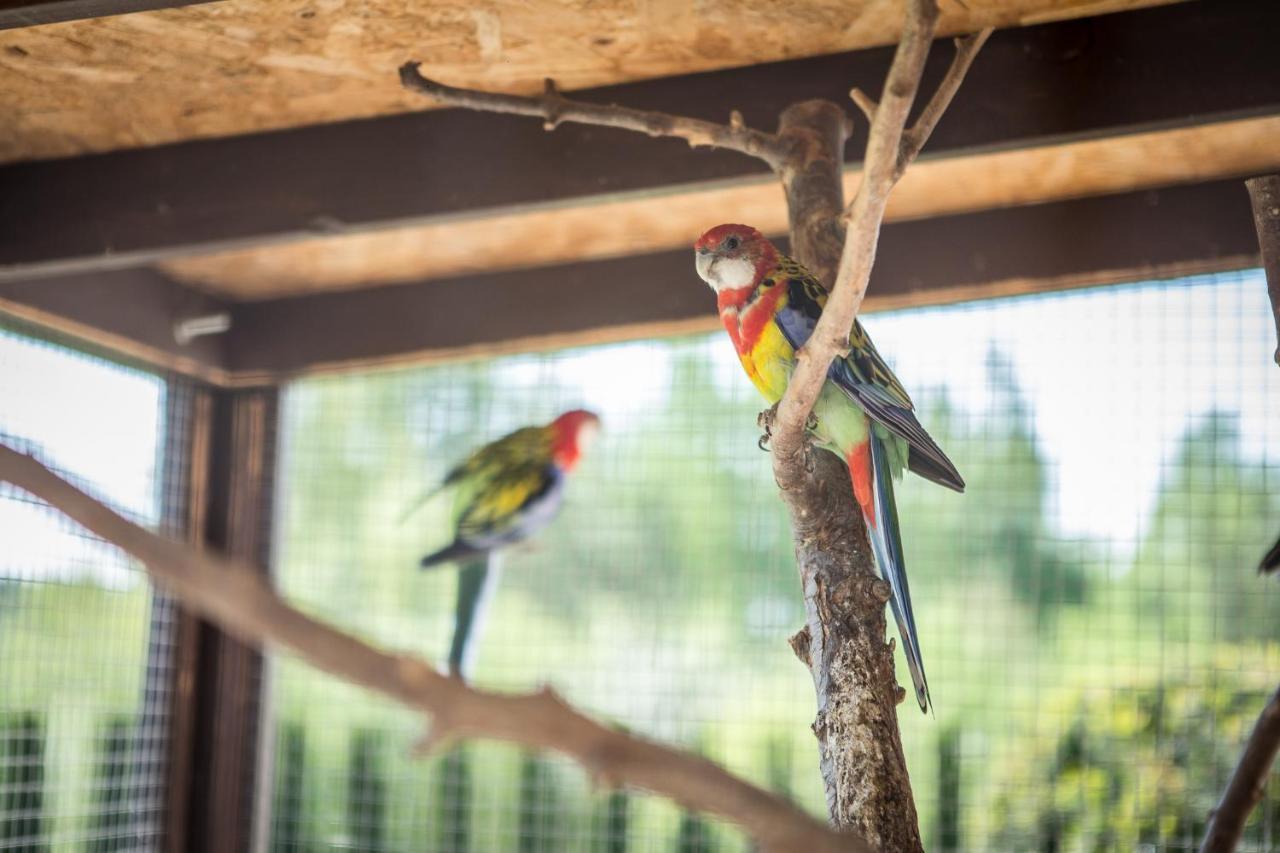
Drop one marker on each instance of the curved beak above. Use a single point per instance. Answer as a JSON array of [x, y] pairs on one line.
[[704, 260]]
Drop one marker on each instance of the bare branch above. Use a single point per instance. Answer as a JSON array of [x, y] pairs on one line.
[[915, 138], [890, 148], [884, 141], [863, 102], [1264, 193], [232, 594], [553, 108], [1248, 781]]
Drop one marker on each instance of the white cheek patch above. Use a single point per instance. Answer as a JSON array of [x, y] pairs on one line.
[[728, 273]]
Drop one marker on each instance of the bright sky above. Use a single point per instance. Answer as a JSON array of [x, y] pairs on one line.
[[95, 420], [1114, 377]]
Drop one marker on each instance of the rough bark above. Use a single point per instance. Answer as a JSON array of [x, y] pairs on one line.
[[1248, 781], [1264, 192], [843, 642]]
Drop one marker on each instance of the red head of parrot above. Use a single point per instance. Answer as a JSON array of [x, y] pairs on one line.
[[733, 259], [571, 433]]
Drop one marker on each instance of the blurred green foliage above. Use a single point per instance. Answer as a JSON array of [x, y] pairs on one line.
[[1090, 695], [1140, 770]]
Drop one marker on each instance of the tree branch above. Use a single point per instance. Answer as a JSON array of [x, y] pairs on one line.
[[866, 213], [1248, 781], [914, 139], [1264, 193], [890, 149], [554, 108], [236, 597]]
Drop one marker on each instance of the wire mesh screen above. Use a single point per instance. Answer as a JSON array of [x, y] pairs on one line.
[[1097, 639], [84, 645]]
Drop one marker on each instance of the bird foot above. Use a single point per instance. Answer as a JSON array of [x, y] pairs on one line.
[[765, 421]]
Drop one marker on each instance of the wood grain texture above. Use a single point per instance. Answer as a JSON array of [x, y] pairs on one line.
[[237, 66], [652, 222]]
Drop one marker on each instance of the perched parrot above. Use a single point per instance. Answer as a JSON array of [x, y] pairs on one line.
[[504, 493], [770, 304]]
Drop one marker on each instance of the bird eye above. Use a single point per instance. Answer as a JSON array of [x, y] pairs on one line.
[[731, 243]]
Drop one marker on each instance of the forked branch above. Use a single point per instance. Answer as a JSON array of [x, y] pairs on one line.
[[554, 108], [236, 597], [890, 149]]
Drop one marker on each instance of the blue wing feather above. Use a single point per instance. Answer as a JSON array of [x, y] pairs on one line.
[[865, 378]]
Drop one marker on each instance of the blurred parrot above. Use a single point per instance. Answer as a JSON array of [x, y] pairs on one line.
[[1271, 562], [503, 493], [769, 304]]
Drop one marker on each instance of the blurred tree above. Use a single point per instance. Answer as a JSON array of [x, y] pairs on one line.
[[1199, 558], [1138, 769], [1003, 529]]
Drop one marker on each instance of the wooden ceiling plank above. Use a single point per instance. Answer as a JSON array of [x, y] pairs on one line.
[[240, 66], [132, 313], [1077, 79], [1110, 239]]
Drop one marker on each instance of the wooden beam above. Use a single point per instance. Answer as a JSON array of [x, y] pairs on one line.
[[132, 313], [229, 680], [671, 220], [1076, 243], [31, 13], [1037, 248], [188, 426], [1172, 66]]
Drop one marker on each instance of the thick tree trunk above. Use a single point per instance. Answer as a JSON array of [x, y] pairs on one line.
[[843, 642]]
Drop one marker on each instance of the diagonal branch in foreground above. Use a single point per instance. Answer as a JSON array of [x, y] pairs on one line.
[[553, 108], [890, 149], [1248, 781], [236, 597]]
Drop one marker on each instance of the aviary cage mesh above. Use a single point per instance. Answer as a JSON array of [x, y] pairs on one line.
[[85, 644], [1096, 638]]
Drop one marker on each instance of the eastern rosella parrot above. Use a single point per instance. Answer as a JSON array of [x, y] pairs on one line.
[[504, 493], [770, 305]]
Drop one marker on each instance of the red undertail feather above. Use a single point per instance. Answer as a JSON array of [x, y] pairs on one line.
[[860, 472]]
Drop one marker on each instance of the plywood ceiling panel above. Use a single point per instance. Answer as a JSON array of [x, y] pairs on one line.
[[246, 65], [672, 219]]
